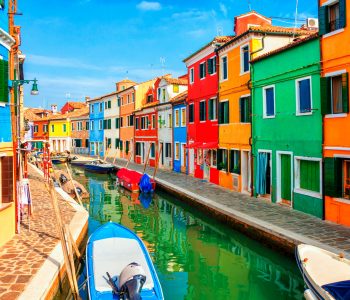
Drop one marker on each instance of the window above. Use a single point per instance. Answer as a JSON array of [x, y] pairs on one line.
[[244, 110], [72, 126], [308, 172], [136, 123], [133, 97], [202, 70], [163, 95], [87, 143], [269, 101], [92, 108], [159, 91], [45, 128], [64, 127], [101, 106], [92, 125], [109, 104], [138, 149], [177, 151], [121, 145], [149, 98], [224, 68], [143, 123], [222, 160], [108, 143], [191, 113], [213, 158], [235, 162], [170, 120], [153, 150], [177, 118], [303, 94], [117, 143], [168, 150], [128, 98], [36, 128], [127, 145], [212, 109], [121, 122], [153, 121], [337, 177], [202, 111], [183, 117], [245, 59], [109, 124], [346, 180], [335, 94], [118, 101], [100, 125], [175, 88], [106, 105], [212, 65], [87, 125], [78, 143], [224, 112], [192, 75], [332, 17]]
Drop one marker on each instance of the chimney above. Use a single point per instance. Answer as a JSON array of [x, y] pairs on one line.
[[54, 108]]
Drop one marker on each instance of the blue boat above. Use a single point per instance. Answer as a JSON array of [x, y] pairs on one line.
[[118, 265], [98, 166]]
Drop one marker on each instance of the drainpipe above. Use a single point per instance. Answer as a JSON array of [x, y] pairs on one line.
[[251, 125]]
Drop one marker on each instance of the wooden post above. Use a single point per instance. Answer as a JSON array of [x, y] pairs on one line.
[[61, 233], [127, 164], [157, 163], [115, 156], [75, 247], [71, 258], [146, 161], [106, 154], [75, 188]]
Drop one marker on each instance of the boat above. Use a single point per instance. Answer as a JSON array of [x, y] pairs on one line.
[[131, 180], [117, 262], [59, 159], [81, 161], [68, 187], [98, 166], [326, 274]]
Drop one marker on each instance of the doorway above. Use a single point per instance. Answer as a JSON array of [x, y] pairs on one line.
[[263, 175], [246, 171], [284, 177], [191, 161]]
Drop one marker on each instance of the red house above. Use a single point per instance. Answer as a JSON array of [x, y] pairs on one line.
[[146, 128], [202, 104], [71, 106]]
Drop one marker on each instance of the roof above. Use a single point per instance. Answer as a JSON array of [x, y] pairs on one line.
[[272, 30], [295, 43], [103, 96], [180, 97], [77, 105], [30, 115], [126, 80], [216, 40], [251, 13], [178, 81], [78, 113]]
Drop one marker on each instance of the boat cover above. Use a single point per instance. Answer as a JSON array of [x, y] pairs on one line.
[[145, 184], [129, 176], [339, 290]]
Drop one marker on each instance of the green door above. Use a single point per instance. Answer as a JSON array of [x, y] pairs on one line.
[[286, 180]]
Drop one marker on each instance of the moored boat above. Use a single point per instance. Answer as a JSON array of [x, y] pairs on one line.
[[81, 161], [98, 166], [326, 274], [118, 262], [68, 187], [59, 159], [130, 180]]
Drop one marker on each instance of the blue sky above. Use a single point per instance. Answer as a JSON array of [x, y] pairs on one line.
[[78, 48]]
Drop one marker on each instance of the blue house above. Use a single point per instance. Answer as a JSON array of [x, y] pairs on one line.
[[96, 134], [179, 133]]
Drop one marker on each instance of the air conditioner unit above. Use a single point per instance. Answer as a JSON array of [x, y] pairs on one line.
[[312, 22]]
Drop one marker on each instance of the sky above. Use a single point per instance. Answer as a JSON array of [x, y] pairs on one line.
[[78, 48]]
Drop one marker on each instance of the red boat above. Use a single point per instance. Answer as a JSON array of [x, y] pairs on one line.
[[130, 180]]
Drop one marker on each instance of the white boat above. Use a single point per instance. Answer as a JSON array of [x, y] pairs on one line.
[[326, 274]]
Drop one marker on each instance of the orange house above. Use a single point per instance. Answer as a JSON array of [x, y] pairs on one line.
[[334, 20]]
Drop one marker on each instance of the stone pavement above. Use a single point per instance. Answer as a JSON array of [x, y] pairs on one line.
[[258, 217], [22, 257]]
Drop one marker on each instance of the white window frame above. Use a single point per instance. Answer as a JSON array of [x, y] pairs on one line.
[[222, 69], [215, 109], [242, 72], [214, 66], [206, 115], [191, 75], [194, 117], [297, 96], [297, 188], [205, 71], [264, 101], [183, 124]]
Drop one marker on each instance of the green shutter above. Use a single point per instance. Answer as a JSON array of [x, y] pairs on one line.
[[4, 77], [333, 177], [342, 13], [345, 92], [210, 66], [109, 104], [325, 95], [323, 20], [104, 124], [226, 113], [109, 123], [286, 191]]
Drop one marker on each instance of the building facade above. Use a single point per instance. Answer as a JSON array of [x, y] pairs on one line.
[[334, 20], [80, 128], [287, 126], [59, 133], [96, 133], [110, 123]]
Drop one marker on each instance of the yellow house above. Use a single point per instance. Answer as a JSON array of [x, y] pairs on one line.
[[234, 153], [60, 133], [140, 92]]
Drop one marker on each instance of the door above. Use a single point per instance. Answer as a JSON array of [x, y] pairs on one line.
[[285, 182], [246, 171], [161, 145], [183, 158], [191, 161], [206, 166], [263, 174]]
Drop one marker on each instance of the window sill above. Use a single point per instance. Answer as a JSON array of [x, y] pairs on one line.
[[333, 116], [223, 80], [224, 124], [4, 206], [335, 32], [299, 114], [308, 193], [342, 200], [269, 117], [244, 73]]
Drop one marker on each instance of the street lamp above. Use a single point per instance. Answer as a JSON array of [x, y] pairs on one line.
[[34, 90]]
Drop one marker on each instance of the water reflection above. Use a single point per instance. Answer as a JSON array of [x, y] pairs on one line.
[[195, 257]]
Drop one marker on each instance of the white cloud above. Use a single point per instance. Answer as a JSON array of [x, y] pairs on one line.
[[223, 9], [191, 15], [146, 5]]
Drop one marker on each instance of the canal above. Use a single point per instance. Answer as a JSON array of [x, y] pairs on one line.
[[195, 256]]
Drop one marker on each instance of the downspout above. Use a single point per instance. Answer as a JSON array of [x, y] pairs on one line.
[[251, 144], [217, 102]]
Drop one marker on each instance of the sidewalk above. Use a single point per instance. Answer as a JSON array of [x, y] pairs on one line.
[[30, 263], [265, 221]]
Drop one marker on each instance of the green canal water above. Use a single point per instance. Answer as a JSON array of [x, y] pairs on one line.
[[195, 256]]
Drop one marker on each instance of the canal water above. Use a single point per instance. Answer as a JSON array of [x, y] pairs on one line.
[[195, 256]]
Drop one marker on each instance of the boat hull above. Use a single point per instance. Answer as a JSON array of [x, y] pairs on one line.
[[97, 169], [130, 179], [57, 161], [127, 244]]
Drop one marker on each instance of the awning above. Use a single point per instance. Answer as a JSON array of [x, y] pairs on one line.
[[211, 145], [193, 145]]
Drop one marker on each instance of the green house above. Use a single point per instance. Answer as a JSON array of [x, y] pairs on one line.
[[287, 126]]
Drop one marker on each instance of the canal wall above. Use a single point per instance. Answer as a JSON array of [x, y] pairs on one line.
[[274, 225], [48, 280]]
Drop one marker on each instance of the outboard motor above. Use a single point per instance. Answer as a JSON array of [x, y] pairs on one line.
[[63, 179], [131, 281]]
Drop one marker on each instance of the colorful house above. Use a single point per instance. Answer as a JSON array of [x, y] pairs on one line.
[[287, 126], [202, 126], [167, 88], [72, 106], [59, 133], [179, 132], [234, 107], [96, 117], [7, 204], [79, 121], [334, 20]]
